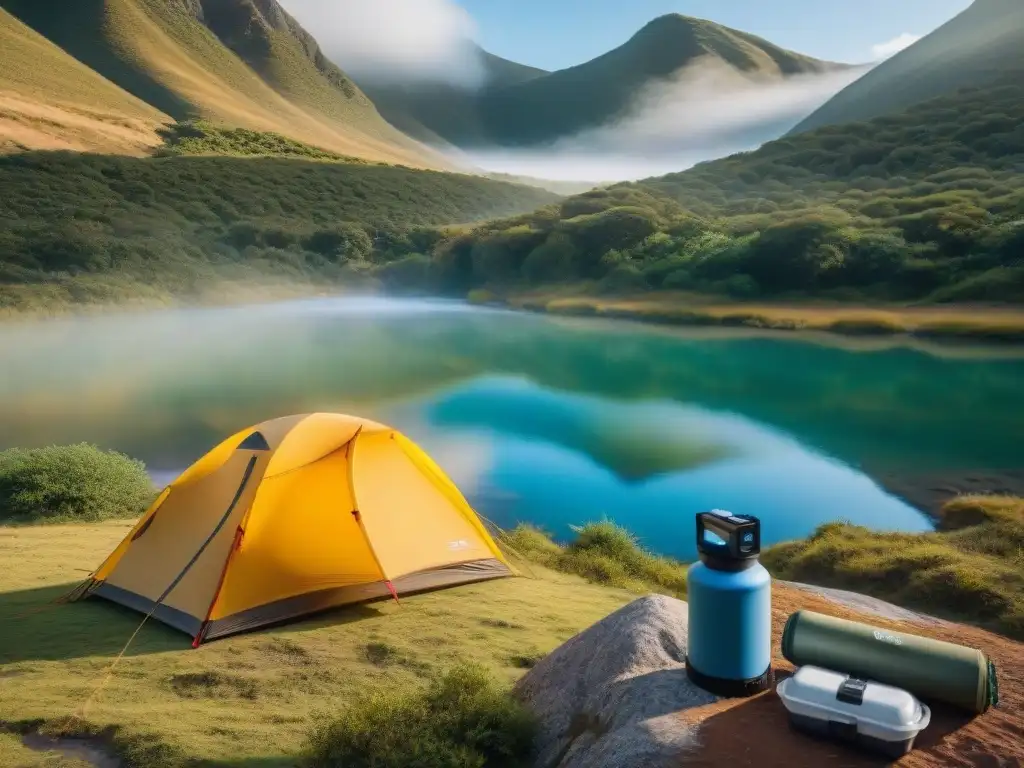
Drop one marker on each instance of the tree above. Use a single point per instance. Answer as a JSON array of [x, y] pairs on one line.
[[551, 261], [615, 229]]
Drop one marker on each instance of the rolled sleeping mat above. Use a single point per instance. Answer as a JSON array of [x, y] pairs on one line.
[[929, 669]]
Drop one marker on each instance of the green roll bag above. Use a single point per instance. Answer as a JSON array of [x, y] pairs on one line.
[[929, 669]]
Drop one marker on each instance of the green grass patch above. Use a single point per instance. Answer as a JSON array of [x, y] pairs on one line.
[[972, 569], [52, 658], [210, 684], [71, 482], [602, 553], [463, 719], [203, 138]]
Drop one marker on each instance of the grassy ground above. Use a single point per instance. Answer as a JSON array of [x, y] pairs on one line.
[[970, 569], [49, 100], [976, 323], [14, 754], [247, 700]]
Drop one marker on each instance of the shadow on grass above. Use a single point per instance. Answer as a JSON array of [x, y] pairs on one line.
[[36, 629], [250, 762], [110, 748], [756, 732]]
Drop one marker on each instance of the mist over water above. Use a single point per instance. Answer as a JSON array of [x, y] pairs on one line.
[[538, 419]]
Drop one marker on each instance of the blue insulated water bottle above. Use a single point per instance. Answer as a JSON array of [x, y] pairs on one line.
[[729, 646]]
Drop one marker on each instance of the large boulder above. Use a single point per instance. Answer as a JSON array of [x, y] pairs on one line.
[[610, 696]]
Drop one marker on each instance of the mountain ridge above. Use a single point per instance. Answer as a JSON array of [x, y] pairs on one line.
[[245, 63], [978, 45], [590, 94]]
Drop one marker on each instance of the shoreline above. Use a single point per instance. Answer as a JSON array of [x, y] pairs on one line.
[[928, 492], [1003, 325]]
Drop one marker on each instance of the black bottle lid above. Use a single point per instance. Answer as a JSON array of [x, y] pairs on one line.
[[738, 540]]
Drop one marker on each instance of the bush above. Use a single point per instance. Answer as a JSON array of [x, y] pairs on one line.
[[971, 569], [410, 273], [462, 720], [604, 553], [71, 483]]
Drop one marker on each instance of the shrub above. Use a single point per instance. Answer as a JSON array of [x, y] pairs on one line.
[[71, 483], [462, 720], [604, 553], [971, 569], [481, 296], [552, 260], [411, 273]]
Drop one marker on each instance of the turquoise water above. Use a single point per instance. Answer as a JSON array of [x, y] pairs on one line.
[[538, 419]]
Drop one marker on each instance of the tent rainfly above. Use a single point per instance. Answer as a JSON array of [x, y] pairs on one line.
[[292, 516]]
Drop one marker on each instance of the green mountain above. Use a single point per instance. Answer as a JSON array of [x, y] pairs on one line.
[[983, 42], [441, 113], [923, 206], [244, 63], [523, 106]]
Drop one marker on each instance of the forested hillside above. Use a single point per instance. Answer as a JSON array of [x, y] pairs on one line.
[[88, 228], [926, 205]]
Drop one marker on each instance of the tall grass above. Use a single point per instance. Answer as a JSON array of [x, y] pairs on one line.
[[603, 553], [971, 569], [462, 720]]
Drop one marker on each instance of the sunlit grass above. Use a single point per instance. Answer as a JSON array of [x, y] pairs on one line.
[[602, 553], [249, 699], [971, 569]]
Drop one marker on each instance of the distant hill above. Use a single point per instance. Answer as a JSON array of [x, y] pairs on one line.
[[982, 43], [244, 63], [521, 106], [924, 206], [594, 93], [441, 113], [88, 228]]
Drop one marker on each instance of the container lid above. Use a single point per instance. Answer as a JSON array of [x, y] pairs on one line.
[[890, 713], [728, 541]]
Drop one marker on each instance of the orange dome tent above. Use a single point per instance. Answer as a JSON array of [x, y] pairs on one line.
[[292, 516]]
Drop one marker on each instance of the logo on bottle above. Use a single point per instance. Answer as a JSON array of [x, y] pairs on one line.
[[887, 637]]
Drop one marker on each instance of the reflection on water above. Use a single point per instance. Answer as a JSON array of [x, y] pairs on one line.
[[537, 419]]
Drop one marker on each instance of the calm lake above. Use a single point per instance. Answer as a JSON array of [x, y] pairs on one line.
[[552, 421]]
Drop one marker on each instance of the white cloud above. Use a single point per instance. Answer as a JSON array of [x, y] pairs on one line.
[[395, 40], [894, 46], [707, 111]]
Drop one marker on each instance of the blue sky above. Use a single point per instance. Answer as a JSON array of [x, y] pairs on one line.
[[553, 34]]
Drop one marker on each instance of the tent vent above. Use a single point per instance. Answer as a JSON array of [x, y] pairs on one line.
[[254, 442]]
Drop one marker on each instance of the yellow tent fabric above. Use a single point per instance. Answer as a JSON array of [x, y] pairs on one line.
[[295, 515]]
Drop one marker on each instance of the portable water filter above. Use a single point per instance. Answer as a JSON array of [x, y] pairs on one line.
[[729, 640]]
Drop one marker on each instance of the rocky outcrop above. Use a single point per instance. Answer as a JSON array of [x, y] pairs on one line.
[[610, 697]]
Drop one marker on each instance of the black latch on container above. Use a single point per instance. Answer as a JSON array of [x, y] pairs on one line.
[[852, 691]]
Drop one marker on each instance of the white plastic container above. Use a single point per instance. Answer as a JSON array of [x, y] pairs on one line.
[[875, 716]]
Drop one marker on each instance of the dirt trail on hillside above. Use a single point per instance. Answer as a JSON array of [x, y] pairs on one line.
[[755, 732]]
